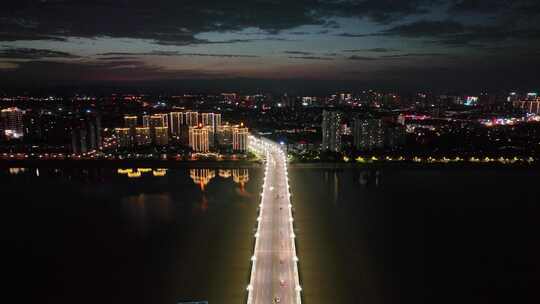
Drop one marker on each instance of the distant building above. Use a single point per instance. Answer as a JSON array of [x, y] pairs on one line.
[[331, 131], [240, 138], [156, 121], [395, 136], [191, 118], [213, 121], [123, 137], [373, 133], [47, 129], [368, 134], [85, 133], [198, 139], [176, 122], [207, 119], [11, 123], [142, 136], [161, 136], [130, 121], [217, 120], [529, 105], [224, 137]]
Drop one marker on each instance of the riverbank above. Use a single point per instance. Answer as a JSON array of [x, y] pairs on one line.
[[155, 163], [412, 165]]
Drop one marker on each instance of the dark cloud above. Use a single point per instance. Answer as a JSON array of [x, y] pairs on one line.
[[351, 35], [218, 55], [483, 6], [495, 27], [167, 22], [409, 55], [300, 33], [152, 53], [230, 41], [116, 58], [425, 28], [374, 50], [380, 11], [173, 22], [176, 53], [29, 53], [453, 33], [514, 7], [298, 53], [310, 58], [53, 72], [361, 58]]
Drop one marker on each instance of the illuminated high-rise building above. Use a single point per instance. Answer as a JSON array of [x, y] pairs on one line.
[[224, 135], [368, 133], [156, 121], [146, 121], [530, 105], [240, 138], [176, 121], [130, 121], [191, 118], [331, 131], [11, 121], [198, 139], [207, 119], [123, 137], [217, 120], [161, 136], [142, 136], [212, 121], [85, 132]]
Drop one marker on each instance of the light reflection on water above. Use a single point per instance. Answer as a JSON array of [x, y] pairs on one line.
[[177, 234], [417, 236], [144, 209]]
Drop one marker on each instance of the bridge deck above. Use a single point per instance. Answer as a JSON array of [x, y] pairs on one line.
[[275, 272]]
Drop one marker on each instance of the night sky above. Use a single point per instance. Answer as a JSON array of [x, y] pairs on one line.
[[451, 44]]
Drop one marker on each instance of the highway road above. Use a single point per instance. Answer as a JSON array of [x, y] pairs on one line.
[[274, 276]]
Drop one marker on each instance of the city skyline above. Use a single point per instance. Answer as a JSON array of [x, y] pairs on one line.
[[314, 44]]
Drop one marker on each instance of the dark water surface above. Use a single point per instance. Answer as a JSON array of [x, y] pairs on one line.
[[418, 236], [96, 236], [391, 236]]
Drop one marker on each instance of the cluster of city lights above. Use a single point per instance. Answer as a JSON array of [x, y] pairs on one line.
[[445, 160]]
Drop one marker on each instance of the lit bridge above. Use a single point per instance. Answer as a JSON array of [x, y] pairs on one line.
[[274, 270]]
